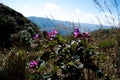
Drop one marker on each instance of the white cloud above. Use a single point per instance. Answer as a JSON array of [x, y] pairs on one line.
[[85, 17], [104, 17], [61, 14], [107, 18], [51, 6], [40, 11], [49, 9], [77, 10]]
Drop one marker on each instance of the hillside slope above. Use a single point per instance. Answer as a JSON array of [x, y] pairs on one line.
[[12, 24], [108, 42]]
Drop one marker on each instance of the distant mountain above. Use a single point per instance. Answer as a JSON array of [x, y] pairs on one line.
[[64, 27], [12, 24]]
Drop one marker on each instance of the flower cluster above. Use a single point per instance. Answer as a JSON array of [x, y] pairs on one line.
[[33, 63], [82, 36], [51, 35], [85, 35]]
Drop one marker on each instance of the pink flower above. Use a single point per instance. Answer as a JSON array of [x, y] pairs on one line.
[[82, 36], [33, 63], [51, 35], [54, 31], [85, 35], [76, 32], [36, 36]]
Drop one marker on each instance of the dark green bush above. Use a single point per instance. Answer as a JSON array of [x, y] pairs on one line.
[[7, 27]]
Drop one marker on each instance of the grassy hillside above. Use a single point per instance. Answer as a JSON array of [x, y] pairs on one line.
[[108, 42]]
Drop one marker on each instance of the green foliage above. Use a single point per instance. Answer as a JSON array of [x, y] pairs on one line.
[[67, 61], [106, 45], [26, 37], [11, 24], [7, 27], [10, 35]]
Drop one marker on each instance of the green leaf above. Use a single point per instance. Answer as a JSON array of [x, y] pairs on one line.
[[42, 66]]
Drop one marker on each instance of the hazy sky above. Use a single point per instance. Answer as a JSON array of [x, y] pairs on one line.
[[67, 10]]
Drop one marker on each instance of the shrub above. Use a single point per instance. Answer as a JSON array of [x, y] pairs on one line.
[[67, 60]]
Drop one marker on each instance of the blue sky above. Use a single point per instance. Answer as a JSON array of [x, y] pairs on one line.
[[83, 11]]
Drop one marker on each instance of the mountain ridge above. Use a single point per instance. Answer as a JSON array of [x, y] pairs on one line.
[[62, 26]]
